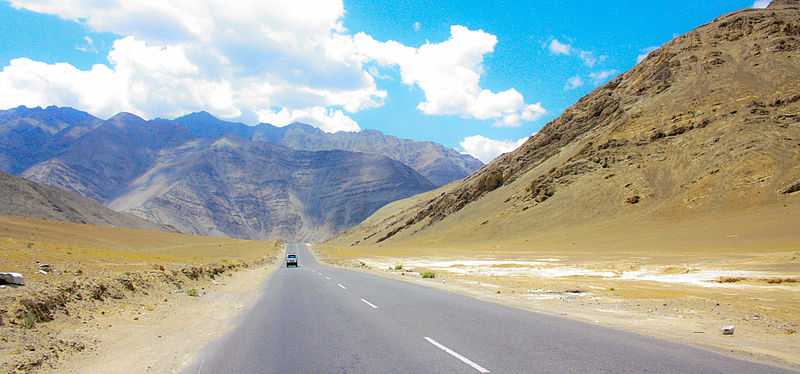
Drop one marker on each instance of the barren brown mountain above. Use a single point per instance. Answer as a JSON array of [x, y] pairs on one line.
[[698, 145], [23, 198]]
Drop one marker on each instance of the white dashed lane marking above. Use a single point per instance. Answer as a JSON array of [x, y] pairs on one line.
[[455, 354], [370, 304]]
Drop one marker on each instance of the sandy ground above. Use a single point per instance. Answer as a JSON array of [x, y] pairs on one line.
[[680, 298], [119, 300], [166, 338]]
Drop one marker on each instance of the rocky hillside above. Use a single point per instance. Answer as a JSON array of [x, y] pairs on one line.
[[435, 162], [206, 176], [259, 190], [707, 125], [438, 164], [23, 198]]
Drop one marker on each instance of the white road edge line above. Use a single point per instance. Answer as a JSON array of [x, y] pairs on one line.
[[340, 286], [455, 354], [369, 303]]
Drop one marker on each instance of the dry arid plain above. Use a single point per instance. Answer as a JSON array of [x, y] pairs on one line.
[[136, 295]]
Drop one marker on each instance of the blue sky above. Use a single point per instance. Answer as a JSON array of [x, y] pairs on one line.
[[498, 76]]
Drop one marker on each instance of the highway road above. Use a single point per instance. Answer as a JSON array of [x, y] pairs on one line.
[[322, 319]]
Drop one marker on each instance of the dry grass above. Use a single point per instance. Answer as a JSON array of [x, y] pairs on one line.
[[98, 270], [89, 249]]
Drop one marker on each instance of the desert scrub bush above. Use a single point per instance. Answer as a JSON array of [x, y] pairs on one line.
[[428, 275], [398, 267], [730, 279], [192, 292], [28, 319]]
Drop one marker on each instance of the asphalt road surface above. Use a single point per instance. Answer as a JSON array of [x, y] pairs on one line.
[[321, 319]]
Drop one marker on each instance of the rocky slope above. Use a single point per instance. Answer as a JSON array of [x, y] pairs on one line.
[[23, 198], [128, 162], [707, 125], [258, 190], [435, 162]]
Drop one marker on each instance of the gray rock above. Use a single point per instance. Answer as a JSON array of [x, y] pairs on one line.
[[12, 278], [728, 330]]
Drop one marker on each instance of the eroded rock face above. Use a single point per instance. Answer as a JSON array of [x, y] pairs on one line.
[[258, 190], [711, 120]]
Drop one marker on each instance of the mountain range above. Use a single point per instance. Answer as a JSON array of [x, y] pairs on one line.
[[705, 129], [203, 175]]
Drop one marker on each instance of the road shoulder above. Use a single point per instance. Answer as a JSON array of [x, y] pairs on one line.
[[167, 338], [579, 311]]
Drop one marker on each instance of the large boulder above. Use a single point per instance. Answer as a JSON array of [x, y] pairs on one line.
[[12, 278]]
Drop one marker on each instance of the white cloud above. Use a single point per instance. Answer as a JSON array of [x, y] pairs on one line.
[[645, 53], [558, 48], [327, 120], [231, 58], [573, 83], [87, 46], [449, 75], [602, 76], [242, 59], [486, 149], [761, 3], [142, 79], [588, 58], [417, 26]]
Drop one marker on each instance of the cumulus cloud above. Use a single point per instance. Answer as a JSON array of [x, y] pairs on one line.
[[328, 120], [602, 76], [254, 59], [449, 75], [487, 149], [573, 83], [231, 58], [761, 3]]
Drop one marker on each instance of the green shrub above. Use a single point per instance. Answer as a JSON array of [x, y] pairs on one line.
[[398, 267], [192, 292], [428, 275], [28, 319]]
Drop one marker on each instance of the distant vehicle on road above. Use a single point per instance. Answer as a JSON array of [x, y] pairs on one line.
[[291, 260]]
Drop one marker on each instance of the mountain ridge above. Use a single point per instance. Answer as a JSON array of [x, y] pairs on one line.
[[441, 165]]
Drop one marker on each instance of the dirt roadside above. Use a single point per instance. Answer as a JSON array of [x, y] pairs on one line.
[[166, 339], [106, 300]]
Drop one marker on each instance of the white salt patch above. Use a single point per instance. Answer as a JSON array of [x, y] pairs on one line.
[[545, 268], [704, 278]]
